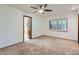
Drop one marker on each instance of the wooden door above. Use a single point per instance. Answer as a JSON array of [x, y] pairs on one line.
[[29, 26], [78, 28]]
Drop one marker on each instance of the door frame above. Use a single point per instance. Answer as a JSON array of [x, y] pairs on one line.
[[23, 26], [78, 28]]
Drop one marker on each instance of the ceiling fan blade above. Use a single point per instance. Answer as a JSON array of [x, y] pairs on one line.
[[35, 11], [34, 8], [47, 10], [45, 5], [40, 6]]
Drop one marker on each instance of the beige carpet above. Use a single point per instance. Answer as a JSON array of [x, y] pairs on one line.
[[43, 45]]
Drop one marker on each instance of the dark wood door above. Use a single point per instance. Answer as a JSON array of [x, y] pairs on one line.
[[28, 23], [78, 28], [30, 28]]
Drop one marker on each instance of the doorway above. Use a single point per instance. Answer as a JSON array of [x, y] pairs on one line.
[[27, 28]]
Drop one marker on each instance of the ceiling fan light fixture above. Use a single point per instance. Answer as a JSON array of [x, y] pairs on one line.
[[41, 11], [42, 8]]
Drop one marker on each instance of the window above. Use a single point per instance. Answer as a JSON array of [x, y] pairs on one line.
[[58, 24]]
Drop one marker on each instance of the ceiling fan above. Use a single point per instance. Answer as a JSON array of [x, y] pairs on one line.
[[42, 9]]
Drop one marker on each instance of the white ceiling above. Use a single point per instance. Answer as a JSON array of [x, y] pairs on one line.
[[57, 8]]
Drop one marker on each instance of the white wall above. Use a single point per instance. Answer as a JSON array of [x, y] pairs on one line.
[[11, 25], [72, 33]]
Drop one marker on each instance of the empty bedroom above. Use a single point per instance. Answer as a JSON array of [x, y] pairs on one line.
[[39, 29]]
